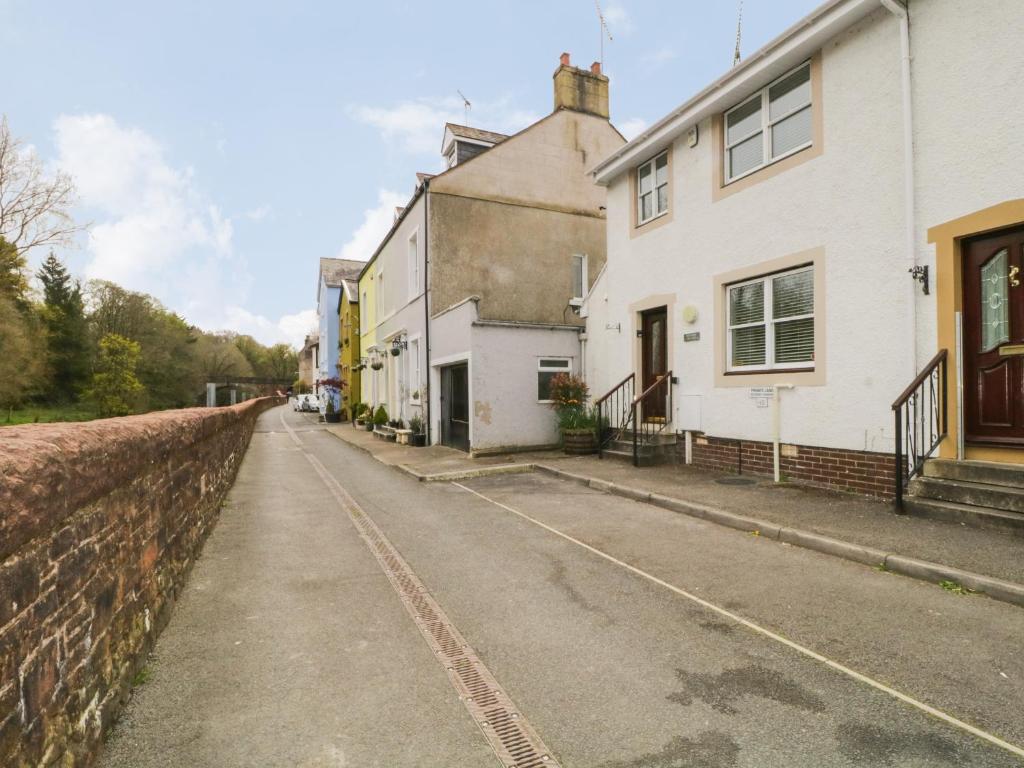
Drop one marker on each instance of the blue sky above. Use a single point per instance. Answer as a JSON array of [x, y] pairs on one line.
[[221, 147]]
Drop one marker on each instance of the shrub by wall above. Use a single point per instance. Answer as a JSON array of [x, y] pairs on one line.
[[100, 523]]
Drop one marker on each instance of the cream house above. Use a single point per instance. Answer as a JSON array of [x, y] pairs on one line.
[[474, 294], [792, 246]]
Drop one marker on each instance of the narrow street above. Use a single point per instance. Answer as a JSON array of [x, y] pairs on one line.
[[625, 635]]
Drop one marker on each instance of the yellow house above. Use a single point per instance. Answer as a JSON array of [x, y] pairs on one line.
[[367, 331], [349, 343]]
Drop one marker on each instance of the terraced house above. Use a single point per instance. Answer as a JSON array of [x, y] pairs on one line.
[[831, 226], [329, 284], [470, 304]]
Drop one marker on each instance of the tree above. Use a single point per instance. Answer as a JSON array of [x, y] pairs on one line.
[[67, 334], [20, 361], [115, 387], [13, 282], [34, 206]]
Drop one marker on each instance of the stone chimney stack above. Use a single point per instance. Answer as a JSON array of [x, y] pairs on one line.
[[580, 89]]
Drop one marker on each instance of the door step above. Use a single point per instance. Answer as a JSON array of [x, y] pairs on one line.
[[1002, 497], [980, 494], [976, 472], [965, 514]]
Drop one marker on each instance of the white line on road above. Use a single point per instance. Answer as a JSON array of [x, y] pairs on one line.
[[841, 668]]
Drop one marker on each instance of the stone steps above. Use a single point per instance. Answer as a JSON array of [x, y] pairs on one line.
[[975, 493]]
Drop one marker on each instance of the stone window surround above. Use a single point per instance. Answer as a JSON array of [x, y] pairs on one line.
[[805, 378]]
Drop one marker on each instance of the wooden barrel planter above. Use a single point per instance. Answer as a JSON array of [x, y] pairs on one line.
[[579, 442]]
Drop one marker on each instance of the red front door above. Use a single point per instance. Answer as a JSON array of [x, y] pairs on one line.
[[993, 337]]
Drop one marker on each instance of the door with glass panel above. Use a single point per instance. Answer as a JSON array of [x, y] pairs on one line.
[[993, 338], [653, 361]]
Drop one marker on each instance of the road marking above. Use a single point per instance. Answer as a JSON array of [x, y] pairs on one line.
[[514, 741], [841, 668]]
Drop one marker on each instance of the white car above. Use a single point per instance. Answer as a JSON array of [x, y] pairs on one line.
[[307, 403]]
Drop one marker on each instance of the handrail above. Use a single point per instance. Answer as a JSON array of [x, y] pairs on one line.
[[928, 369], [650, 389], [612, 391], [921, 416], [614, 412]]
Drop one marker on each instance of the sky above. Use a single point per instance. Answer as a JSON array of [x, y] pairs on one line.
[[220, 148]]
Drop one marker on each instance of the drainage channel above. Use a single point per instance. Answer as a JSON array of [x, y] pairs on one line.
[[507, 731]]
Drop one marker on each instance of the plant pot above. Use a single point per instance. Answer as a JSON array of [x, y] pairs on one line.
[[368, 426], [418, 441], [332, 418], [579, 442]]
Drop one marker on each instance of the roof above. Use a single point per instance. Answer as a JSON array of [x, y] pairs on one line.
[[334, 271], [786, 51], [351, 287], [421, 177], [475, 134]]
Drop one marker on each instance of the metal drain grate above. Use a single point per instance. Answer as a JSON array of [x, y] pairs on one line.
[[515, 743]]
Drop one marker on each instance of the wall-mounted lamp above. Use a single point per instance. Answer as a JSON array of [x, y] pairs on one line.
[[920, 273]]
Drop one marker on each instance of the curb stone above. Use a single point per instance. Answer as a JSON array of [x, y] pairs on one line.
[[923, 570]]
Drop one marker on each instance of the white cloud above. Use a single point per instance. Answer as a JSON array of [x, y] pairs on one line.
[[659, 57], [156, 230], [417, 126], [632, 128], [376, 223]]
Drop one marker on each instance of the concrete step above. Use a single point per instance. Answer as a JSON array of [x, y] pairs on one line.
[[976, 472], [643, 459], [965, 514], [1001, 497]]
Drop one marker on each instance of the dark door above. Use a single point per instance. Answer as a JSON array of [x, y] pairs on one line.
[[455, 406], [993, 337], [653, 360]]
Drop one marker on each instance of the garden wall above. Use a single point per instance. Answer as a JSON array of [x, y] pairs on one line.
[[100, 523]]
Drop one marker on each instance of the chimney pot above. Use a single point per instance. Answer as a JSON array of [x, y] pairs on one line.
[[565, 59], [595, 68]]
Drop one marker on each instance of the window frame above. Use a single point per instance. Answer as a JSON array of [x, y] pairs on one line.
[[577, 301], [362, 314], [413, 373], [378, 297], [769, 322], [766, 125], [652, 163], [567, 368], [413, 256]]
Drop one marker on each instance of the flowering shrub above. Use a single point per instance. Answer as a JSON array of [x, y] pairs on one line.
[[568, 395]]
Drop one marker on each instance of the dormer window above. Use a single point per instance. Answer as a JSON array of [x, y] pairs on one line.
[[462, 143], [774, 123]]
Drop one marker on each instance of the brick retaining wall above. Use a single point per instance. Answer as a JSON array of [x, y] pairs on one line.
[[857, 471], [100, 523]]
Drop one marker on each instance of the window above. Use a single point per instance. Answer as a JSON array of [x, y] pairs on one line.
[[579, 279], [414, 371], [362, 314], [652, 189], [378, 296], [770, 125], [547, 369], [414, 267], [771, 322]]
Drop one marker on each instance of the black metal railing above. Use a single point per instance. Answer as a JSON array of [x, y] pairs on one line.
[[921, 422], [614, 412], [651, 411]]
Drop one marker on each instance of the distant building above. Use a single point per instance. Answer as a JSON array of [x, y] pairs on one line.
[[333, 272], [309, 360], [470, 304], [349, 360]]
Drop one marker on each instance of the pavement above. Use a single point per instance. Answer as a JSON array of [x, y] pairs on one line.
[[859, 521], [626, 634]]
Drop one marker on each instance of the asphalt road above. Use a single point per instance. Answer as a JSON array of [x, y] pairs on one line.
[[625, 634]]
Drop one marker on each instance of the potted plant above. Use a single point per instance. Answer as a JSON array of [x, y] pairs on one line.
[[357, 413], [575, 420], [380, 417], [417, 438], [377, 365]]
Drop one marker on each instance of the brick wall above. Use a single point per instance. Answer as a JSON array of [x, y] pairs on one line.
[[100, 523], [857, 471]]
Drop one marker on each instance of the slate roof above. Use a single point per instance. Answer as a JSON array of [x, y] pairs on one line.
[[478, 134], [336, 270]]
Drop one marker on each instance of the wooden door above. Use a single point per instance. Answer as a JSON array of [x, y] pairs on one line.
[[455, 406], [653, 360], [993, 338]]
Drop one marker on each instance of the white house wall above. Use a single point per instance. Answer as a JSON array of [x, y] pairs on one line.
[[846, 203]]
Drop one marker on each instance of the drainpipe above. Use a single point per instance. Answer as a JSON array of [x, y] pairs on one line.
[[899, 10], [426, 303]]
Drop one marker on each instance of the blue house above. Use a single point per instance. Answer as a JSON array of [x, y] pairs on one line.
[[328, 293]]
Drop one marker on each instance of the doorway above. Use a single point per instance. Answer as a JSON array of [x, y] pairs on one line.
[[993, 338], [455, 406], [653, 360]]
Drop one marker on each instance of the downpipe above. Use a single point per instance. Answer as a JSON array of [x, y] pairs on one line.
[[777, 428]]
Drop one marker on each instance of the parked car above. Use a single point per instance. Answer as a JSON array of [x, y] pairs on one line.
[[305, 403]]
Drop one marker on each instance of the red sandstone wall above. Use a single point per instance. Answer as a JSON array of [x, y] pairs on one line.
[[858, 471], [99, 524]]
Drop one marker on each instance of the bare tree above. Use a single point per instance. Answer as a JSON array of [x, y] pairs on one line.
[[34, 205]]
